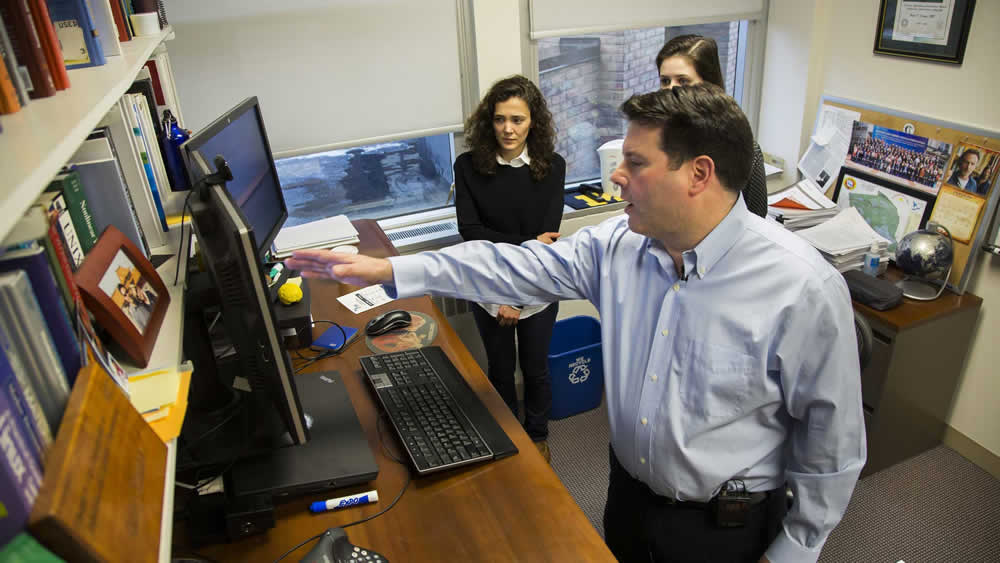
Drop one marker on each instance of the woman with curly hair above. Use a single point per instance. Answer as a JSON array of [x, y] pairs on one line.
[[690, 59], [509, 188]]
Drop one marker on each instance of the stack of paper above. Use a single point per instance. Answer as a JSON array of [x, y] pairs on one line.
[[160, 396], [325, 233], [844, 240], [801, 205]]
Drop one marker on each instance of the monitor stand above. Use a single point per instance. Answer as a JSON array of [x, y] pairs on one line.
[[337, 454]]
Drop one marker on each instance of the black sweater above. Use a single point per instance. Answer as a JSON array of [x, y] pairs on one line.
[[509, 206]]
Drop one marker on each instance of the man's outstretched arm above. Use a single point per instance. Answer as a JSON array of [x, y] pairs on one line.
[[355, 269]]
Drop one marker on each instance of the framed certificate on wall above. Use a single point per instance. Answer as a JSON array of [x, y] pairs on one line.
[[932, 30]]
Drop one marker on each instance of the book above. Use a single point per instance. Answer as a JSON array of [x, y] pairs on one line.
[[27, 48], [74, 25], [79, 210], [55, 206], [25, 406], [104, 24], [20, 476], [124, 33], [13, 69], [8, 93], [104, 186], [30, 339], [143, 84], [116, 518], [58, 320], [159, 185], [50, 43], [25, 549], [171, 100], [139, 178], [33, 226]]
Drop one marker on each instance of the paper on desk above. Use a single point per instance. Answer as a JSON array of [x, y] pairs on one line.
[[846, 232], [325, 232], [365, 298], [805, 193]]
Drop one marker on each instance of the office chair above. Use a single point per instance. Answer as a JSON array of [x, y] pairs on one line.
[[863, 331]]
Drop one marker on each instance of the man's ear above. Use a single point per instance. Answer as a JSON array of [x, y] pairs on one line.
[[702, 172]]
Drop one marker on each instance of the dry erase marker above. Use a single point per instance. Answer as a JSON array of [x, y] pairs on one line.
[[342, 502]]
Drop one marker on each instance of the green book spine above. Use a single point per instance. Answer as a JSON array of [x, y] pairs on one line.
[[79, 209], [24, 549]]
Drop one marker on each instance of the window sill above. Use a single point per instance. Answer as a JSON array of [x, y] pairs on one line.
[[430, 230]]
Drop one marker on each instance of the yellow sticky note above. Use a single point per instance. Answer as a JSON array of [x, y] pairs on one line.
[[151, 390]]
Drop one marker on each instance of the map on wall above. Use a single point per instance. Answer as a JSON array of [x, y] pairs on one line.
[[890, 213]]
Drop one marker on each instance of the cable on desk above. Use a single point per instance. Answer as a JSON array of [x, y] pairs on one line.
[[323, 353]]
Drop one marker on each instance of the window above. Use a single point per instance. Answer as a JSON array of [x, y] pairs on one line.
[[368, 182], [586, 78]]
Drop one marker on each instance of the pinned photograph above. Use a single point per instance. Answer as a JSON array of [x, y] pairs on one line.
[[973, 169], [911, 160]]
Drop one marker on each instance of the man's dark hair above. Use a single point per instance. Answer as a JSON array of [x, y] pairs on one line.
[[698, 120], [701, 51], [979, 155]]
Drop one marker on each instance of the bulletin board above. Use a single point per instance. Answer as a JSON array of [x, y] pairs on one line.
[[967, 254]]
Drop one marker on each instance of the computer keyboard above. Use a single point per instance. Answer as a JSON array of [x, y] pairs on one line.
[[441, 422]]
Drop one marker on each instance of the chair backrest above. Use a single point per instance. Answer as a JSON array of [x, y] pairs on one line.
[[863, 331]]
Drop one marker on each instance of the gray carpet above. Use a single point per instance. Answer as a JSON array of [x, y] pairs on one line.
[[937, 507]]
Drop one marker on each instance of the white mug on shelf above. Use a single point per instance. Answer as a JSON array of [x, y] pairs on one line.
[[145, 24], [610, 154]]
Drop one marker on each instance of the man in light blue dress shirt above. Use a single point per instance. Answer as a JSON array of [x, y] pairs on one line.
[[729, 349]]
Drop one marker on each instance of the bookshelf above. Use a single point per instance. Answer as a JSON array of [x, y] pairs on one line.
[[38, 140]]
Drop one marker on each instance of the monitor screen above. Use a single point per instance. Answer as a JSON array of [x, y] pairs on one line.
[[239, 136]]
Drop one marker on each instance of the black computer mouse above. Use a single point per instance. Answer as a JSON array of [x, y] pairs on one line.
[[388, 321]]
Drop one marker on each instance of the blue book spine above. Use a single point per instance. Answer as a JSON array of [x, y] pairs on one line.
[[24, 396], [77, 35], [43, 283], [20, 475], [10, 394]]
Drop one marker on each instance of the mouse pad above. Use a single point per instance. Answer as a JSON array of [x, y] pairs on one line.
[[421, 332]]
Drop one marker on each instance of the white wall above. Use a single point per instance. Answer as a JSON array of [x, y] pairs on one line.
[[838, 48]]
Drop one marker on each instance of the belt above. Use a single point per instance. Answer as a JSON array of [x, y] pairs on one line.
[[755, 499]]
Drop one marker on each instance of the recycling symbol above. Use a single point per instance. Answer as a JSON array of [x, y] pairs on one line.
[[580, 373]]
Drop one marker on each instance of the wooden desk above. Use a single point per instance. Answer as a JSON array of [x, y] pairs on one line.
[[918, 351], [515, 509]]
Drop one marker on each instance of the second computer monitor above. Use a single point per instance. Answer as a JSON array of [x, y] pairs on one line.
[[239, 136]]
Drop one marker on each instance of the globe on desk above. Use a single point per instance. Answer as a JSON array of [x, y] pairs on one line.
[[926, 257]]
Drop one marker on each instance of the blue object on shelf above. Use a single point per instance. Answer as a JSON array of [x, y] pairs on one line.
[[575, 366]]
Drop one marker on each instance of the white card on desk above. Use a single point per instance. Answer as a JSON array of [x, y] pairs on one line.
[[365, 298]]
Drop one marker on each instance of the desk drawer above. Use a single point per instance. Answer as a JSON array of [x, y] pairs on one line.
[[873, 376]]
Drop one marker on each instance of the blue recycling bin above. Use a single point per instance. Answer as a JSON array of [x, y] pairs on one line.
[[575, 366]]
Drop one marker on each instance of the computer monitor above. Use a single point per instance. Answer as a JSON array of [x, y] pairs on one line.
[[228, 249], [239, 134]]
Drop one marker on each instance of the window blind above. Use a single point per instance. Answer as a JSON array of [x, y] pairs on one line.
[[555, 18], [326, 71]]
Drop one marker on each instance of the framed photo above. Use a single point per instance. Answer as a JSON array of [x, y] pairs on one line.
[[122, 290], [931, 30], [892, 210]]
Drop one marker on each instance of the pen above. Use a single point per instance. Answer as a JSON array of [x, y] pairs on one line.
[[365, 300], [349, 500]]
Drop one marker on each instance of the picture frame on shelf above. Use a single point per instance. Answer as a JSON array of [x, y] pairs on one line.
[[930, 30], [122, 290]]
